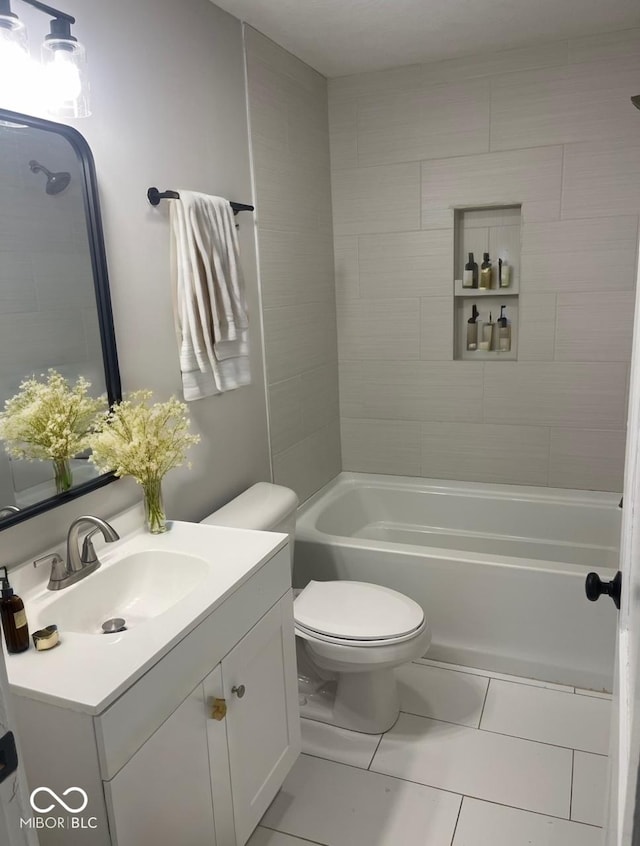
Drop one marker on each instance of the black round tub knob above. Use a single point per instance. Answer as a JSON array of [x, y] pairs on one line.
[[595, 587]]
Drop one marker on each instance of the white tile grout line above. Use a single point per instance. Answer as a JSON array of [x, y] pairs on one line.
[[378, 745], [503, 733], [593, 694], [445, 790], [455, 828], [522, 680], [573, 765], [484, 702], [488, 674], [278, 831]]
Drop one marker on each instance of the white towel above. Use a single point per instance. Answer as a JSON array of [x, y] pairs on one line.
[[208, 291]]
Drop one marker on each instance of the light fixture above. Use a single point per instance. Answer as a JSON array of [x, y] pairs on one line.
[[16, 67], [61, 82], [65, 65]]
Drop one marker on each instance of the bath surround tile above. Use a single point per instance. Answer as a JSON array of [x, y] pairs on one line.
[[595, 326], [537, 327], [558, 394], [434, 121], [285, 414], [580, 255], [441, 694], [387, 329], [589, 797], [338, 744], [415, 77], [412, 390], [376, 199], [343, 132], [485, 452], [407, 264], [601, 178], [605, 47], [563, 104], [298, 338], [331, 803], [295, 267], [347, 274], [319, 397], [381, 446], [548, 716], [309, 464], [436, 328], [485, 823], [507, 770], [587, 459], [505, 178]]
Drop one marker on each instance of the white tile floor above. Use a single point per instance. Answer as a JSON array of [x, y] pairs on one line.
[[476, 759]]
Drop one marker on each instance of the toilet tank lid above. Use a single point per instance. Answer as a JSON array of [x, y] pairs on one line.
[[262, 506]]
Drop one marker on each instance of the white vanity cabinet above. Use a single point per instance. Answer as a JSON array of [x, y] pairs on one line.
[[201, 780], [158, 766]]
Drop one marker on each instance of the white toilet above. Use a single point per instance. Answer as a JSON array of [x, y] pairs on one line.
[[349, 635]]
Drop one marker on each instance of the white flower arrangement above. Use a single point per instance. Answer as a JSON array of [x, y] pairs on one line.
[[144, 440], [49, 420]]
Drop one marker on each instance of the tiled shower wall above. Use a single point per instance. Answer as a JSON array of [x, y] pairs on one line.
[[551, 128], [290, 144]]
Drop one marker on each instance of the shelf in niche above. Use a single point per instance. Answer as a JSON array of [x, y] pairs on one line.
[[480, 292], [494, 230]]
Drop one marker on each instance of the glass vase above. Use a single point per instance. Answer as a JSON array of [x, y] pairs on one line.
[[63, 475], [155, 518]]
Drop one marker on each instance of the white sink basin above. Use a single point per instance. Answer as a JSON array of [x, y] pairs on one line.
[[136, 588], [163, 586]]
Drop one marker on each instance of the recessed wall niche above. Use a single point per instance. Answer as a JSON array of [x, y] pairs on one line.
[[494, 230]]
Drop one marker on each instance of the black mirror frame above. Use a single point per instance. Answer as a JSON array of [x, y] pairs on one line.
[[103, 296]]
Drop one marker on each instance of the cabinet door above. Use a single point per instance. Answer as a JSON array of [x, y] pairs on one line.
[[260, 683], [162, 796]]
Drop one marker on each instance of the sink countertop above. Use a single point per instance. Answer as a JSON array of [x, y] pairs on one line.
[[88, 672]]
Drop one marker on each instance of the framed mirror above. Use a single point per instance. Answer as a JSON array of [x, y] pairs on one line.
[[55, 306]]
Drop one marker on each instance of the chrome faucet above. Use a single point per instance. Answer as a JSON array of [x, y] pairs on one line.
[[79, 564], [9, 509]]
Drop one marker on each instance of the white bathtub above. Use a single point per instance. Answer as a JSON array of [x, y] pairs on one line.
[[498, 569]]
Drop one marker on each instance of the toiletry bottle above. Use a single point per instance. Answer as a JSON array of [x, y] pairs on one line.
[[14, 619], [488, 335], [472, 330], [504, 274], [470, 275], [504, 332], [485, 273]]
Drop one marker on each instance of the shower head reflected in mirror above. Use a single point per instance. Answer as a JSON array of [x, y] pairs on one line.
[[56, 182], [636, 101]]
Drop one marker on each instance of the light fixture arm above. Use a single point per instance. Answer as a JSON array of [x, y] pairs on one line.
[[49, 10]]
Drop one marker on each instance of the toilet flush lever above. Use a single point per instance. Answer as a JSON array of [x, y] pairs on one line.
[[595, 587]]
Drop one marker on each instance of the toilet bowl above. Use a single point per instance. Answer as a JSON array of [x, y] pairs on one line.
[[349, 635]]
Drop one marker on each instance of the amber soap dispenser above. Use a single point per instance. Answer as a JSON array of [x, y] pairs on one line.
[[14, 618]]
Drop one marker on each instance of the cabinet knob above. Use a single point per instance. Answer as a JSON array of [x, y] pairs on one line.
[[218, 709], [239, 690]]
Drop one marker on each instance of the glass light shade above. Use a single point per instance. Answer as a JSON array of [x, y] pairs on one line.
[[65, 74], [18, 72]]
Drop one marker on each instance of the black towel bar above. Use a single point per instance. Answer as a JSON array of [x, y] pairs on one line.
[[154, 196]]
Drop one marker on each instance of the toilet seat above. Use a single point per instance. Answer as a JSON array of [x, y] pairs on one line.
[[357, 614]]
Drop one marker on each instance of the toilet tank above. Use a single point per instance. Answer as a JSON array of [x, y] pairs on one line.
[[271, 508]]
